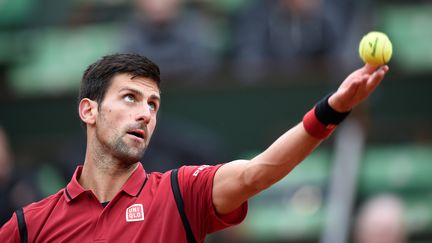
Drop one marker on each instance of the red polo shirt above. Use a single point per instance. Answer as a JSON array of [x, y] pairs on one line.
[[143, 211]]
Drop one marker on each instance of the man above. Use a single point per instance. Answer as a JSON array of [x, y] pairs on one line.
[[112, 199], [381, 220]]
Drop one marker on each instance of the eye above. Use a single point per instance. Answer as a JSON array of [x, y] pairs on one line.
[[129, 98], [152, 105]]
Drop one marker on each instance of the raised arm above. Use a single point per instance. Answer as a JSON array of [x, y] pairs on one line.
[[237, 181]]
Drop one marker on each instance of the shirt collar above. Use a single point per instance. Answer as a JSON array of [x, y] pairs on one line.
[[132, 187], [74, 189], [136, 181]]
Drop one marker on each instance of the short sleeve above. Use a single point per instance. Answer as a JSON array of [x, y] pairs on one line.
[[196, 183], [9, 232]]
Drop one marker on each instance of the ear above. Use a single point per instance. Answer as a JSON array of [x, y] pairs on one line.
[[88, 110]]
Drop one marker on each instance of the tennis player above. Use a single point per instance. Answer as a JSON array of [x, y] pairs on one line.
[[111, 198]]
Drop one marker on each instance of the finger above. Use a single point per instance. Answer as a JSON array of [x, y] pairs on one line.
[[369, 68], [376, 79], [365, 78], [382, 71], [354, 87], [385, 68], [361, 85]]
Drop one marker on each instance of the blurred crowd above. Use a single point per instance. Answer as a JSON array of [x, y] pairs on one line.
[[382, 220], [264, 36], [197, 42], [257, 40], [17, 185]]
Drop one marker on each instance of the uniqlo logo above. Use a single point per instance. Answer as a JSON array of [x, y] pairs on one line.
[[135, 213]]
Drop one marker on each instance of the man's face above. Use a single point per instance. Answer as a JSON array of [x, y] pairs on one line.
[[126, 117]]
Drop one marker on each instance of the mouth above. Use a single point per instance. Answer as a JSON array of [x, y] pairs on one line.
[[137, 133]]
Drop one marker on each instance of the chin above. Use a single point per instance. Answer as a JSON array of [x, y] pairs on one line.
[[131, 158], [128, 154]]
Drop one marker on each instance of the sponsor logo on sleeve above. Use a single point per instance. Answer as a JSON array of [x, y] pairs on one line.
[[201, 168]]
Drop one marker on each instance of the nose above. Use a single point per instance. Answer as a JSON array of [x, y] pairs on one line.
[[145, 114]]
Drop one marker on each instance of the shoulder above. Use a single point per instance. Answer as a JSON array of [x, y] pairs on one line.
[[197, 176], [9, 231], [43, 205], [198, 171], [186, 175], [187, 170]]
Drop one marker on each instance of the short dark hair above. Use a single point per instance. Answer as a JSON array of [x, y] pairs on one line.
[[98, 76]]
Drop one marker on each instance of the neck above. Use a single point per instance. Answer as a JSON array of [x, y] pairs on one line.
[[104, 175]]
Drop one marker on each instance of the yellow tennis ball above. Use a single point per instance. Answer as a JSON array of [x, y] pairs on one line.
[[375, 48]]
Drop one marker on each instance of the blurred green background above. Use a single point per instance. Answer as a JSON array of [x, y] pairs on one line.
[[45, 45]]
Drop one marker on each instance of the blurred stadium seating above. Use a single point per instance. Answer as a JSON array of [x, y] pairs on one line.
[[45, 46]]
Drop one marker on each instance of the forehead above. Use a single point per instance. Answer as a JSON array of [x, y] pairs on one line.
[[125, 80]]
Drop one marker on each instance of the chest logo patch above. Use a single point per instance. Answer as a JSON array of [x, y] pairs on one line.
[[135, 213]]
